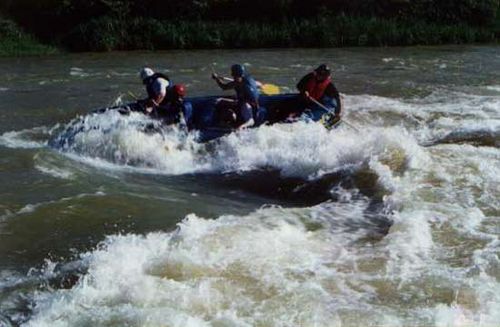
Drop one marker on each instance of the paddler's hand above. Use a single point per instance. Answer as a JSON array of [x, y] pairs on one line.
[[306, 95], [150, 105]]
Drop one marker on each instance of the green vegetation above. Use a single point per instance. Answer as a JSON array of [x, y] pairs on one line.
[[496, 25], [14, 42], [107, 33], [103, 25]]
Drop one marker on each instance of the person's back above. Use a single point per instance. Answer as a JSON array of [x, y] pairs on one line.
[[247, 97], [157, 87], [176, 110], [247, 91]]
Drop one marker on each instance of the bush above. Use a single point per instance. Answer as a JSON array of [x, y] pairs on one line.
[[108, 33], [474, 12], [14, 42]]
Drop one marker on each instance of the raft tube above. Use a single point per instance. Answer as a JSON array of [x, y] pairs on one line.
[[272, 110]]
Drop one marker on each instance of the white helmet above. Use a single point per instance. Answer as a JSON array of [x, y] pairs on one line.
[[146, 72]]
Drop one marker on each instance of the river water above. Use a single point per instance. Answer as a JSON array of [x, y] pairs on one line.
[[396, 224]]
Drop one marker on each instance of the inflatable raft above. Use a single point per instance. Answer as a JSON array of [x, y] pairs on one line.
[[273, 109], [204, 119]]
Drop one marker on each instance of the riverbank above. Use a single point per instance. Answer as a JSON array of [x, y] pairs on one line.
[[15, 42], [108, 34], [105, 34]]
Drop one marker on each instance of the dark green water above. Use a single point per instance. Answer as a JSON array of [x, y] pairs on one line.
[[426, 161]]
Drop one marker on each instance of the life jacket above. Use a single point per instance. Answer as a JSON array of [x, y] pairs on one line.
[[317, 89], [247, 91], [151, 80]]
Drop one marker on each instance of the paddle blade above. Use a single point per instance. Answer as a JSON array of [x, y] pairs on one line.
[[330, 121], [270, 89]]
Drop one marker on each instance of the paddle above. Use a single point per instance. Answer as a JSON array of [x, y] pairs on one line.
[[133, 95], [333, 113], [270, 89]]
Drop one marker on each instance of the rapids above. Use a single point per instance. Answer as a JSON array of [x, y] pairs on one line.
[[107, 224]]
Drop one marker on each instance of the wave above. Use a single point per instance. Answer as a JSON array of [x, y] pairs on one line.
[[257, 272], [32, 138], [443, 115], [480, 137], [302, 149], [30, 208], [404, 218], [495, 88], [326, 265]]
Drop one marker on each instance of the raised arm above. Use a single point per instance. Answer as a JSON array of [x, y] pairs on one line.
[[225, 86]]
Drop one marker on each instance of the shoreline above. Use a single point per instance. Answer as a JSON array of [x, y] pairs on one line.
[[15, 42], [108, 34]]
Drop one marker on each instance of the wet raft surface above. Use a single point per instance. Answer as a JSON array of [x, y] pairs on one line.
[[205, 116], [284, 225]]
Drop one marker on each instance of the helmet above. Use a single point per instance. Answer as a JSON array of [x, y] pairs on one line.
[[237, 70], [146, 72], [323, 69], [180, 90]]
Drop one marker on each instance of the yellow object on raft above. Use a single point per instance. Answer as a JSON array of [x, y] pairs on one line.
[[270, 89]]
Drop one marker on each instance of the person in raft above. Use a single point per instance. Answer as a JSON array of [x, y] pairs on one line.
[[318, 86], [157, 86], [176, 110], [166, 101], [239, 112]]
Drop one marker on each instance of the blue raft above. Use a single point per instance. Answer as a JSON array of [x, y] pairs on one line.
[[273, 109]]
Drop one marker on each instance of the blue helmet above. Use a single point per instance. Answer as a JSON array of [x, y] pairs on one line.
[[237, 70]]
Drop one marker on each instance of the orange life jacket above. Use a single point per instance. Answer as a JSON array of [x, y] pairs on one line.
[[317, 89]]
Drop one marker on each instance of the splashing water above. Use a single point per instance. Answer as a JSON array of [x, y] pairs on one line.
[[420, 249]]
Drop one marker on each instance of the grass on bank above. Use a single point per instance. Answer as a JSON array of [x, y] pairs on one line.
[[14, 42], [109, 33], [106, 33]]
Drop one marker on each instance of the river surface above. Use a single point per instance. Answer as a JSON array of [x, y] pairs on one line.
[[394, 224]]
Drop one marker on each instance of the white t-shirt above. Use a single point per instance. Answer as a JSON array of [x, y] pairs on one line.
[[160, 86]]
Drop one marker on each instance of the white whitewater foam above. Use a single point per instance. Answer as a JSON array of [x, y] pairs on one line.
[[493, 88], [25, 139], [431, 117], [270, 269], [319, 266], [30, 208], [122, 140], [55, 172], [78, 72], [302, 149], [237, 271]]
